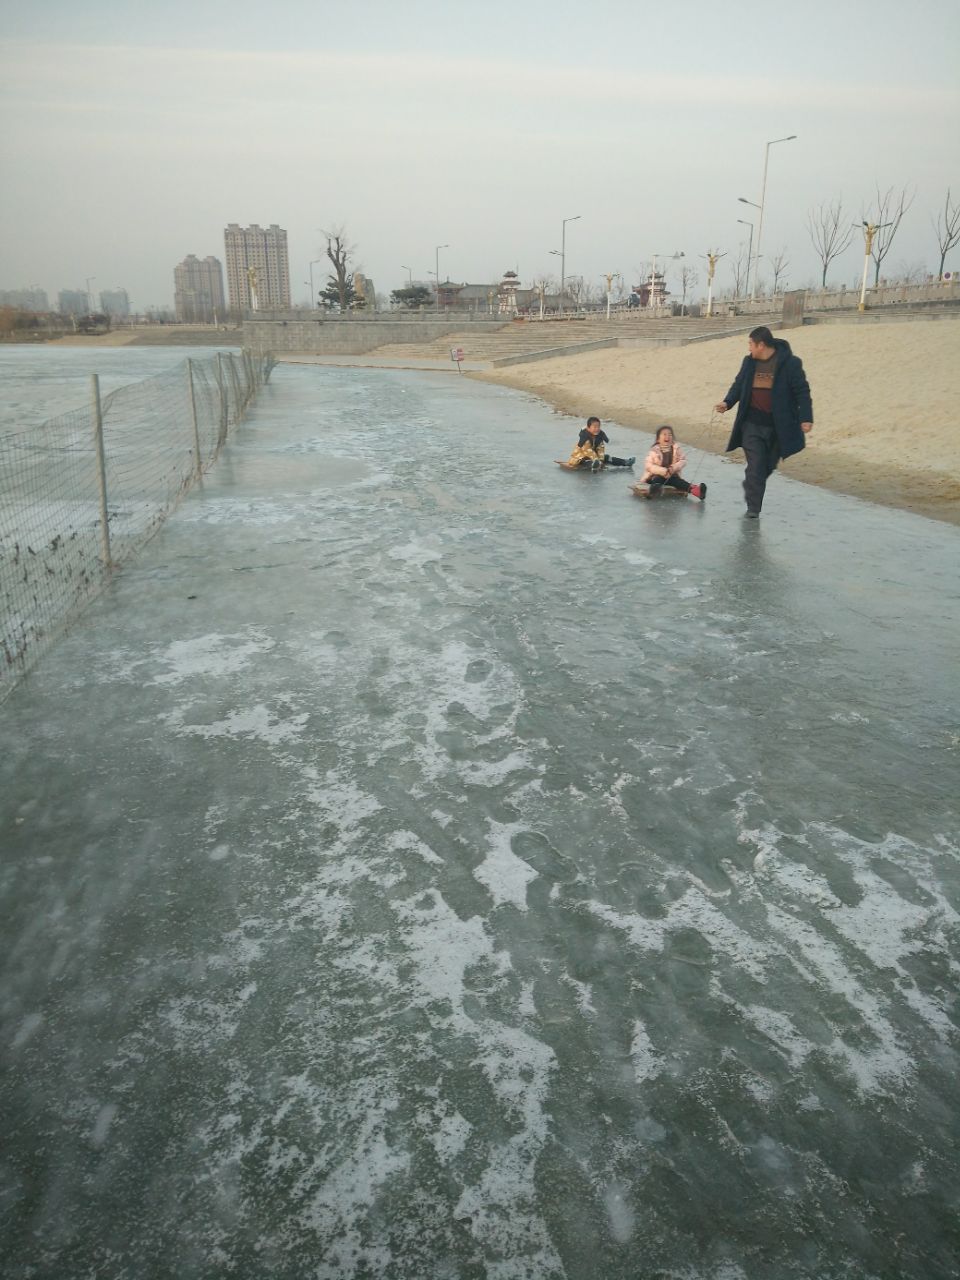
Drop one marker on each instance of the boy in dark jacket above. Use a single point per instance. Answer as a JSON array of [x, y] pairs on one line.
[[591, 448], [774, 411]]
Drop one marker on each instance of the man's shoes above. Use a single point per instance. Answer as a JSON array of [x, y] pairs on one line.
[[751, 515], [699, 490]]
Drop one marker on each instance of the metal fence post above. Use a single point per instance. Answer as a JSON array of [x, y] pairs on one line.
[[101, 467], [237, 392], [193, 416], [224, 411]]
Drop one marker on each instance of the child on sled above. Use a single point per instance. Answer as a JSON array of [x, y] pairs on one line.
[[664, 463], [590, 448]]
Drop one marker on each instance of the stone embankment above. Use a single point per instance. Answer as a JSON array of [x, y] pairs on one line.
[[520, 342]]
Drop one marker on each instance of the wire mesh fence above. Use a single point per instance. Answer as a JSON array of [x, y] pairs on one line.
[[83, 491]]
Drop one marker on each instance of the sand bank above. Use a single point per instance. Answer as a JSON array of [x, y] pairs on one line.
[[885, 400]]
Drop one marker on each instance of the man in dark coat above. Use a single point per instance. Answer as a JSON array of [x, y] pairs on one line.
[[774, 411]]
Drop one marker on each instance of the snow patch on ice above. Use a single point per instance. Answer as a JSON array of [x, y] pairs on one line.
[[261, 512], [210, 655], [26, 1029], [101, 1126], [408, 842], [415, 553], [647, 1063], [505, 875], [257, 723], [620, 1214]]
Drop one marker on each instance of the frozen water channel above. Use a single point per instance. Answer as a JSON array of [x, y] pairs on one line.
[[427, 863]]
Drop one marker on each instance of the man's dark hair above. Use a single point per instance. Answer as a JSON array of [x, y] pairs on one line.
[[591, 420], [762, 334]]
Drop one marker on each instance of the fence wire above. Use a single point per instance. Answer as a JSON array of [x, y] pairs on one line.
[[158, 436]]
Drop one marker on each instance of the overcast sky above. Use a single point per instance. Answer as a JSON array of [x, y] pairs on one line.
[[132, 136]]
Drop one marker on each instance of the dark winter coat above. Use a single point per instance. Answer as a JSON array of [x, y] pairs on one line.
[[791, 400]]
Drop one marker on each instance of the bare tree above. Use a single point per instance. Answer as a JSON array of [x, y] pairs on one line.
[[912, 273], [588, 292], [947, 228], [889, 215], [779, 264], [688, 278], [340, 252], [828, 235]]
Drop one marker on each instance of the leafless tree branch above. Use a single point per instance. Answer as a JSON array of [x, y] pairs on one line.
[[947, 228], [828, 235], [889, 215], [779, 264]]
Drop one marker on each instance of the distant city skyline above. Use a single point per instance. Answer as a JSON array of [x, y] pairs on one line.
[[486, 136]]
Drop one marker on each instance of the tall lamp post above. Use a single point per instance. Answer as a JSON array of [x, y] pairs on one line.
[[313, 296], [409, 271], [750, 275], [870, 229], [744, 223], [556, 254], [563, 253], [437, 264], [610, 276], [712, 259], [763, 196]]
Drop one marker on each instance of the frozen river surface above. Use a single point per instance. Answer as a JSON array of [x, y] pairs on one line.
[[427, 863]]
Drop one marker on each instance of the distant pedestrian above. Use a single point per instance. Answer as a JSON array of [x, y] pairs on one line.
[[774, 411]]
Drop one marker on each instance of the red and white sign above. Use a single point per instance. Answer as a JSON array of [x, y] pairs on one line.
[[456, 353]]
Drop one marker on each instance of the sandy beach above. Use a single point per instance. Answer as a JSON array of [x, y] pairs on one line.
[[885, 400]]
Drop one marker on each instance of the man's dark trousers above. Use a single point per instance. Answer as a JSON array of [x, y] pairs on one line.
[[762, 450]]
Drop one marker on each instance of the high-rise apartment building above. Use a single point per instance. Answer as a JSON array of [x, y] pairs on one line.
[[115, 302], [258, 270], [73, 302], [198, 290]]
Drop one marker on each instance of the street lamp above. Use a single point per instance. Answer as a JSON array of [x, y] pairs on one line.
[[556, 254], [313, 296], [763, 195], [743, 223], [610, 276], [409, 272], [563, 253], [870, 229], [749, 260], [437, 253], [712, 259]]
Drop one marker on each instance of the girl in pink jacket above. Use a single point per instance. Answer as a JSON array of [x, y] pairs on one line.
[[664, 463]]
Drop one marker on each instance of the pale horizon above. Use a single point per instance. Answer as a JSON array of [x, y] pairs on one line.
[[132, 139]]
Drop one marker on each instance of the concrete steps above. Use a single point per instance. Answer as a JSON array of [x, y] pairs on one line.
[[533, 339]]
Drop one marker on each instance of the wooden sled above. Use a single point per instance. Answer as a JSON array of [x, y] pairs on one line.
[[662, 491], [584, 466]]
